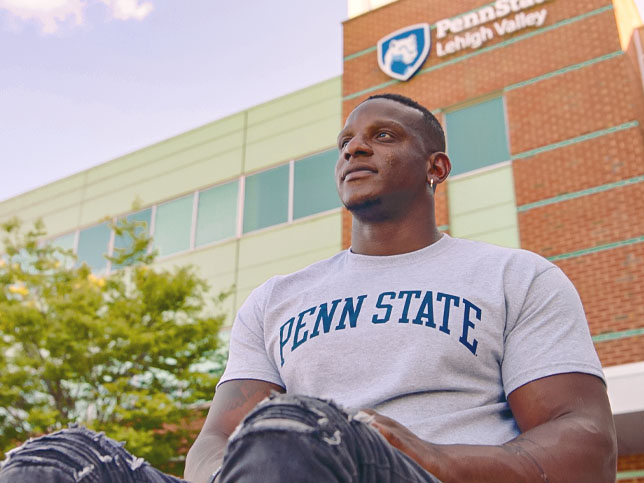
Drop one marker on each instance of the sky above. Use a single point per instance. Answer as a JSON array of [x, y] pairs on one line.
[[85, 81]]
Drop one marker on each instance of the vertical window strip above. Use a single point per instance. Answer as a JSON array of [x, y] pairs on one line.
[[291, 183], [266, 198]]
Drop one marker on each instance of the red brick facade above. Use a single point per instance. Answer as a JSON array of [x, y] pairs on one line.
[[575, 115], [631, 463]]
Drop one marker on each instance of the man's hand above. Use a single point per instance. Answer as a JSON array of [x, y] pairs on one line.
[[399, 436], [567, 435]]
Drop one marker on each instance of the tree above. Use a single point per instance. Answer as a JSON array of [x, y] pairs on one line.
[[131, 354]]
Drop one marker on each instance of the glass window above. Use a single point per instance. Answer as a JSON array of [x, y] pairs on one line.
[[66, 242], [172, 226], [314, 188], [476, 136], [92, 246], [217, 213], [266, 199], [124, 242]]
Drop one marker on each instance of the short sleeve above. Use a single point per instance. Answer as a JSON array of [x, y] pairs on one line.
[[247, 355], [550, 335]]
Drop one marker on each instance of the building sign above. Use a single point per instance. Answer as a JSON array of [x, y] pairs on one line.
[[403, 52], [473, 29]]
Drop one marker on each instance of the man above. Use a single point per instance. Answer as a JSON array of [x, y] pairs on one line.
[[476, 359], [451, 359]]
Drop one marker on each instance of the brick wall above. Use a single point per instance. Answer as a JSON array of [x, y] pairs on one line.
[[452, 83], [587, 102], [611, 286], [592, 111], [599, 161], [631, 463]]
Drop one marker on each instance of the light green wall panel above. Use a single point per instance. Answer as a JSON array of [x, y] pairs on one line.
[[193, 160], [293, 126], [251, 278], [482, 206], [57, 221], [485, 220], [229, 149], [150, 186], [480, 190], [285, 250], [298, 142], [56, 203], [61, 221], [281, 250], [169, 185], [213, 262], [290, 240], [506, 237], [217, 264], [283, 123], [218, 130], [330, 89], [67, 188]]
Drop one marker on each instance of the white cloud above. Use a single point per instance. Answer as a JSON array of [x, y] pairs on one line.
[[51, 13], [129, 9], [48, 13]]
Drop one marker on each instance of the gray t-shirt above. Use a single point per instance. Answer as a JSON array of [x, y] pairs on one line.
[[435, 339]]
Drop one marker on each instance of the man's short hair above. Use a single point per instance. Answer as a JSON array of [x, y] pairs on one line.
[[434, 136]]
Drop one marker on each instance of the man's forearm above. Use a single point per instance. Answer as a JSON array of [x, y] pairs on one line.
[[565, 449], [205, 457]]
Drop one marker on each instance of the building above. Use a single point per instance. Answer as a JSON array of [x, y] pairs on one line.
[[543, 104], [241, 198], [543, 107]]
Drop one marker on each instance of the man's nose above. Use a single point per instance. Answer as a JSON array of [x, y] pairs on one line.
[[357, 146]]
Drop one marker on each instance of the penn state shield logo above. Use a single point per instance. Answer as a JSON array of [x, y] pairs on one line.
[[401, 53]]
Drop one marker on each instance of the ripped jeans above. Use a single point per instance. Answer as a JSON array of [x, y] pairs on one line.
[[75, 455], [283, 439]]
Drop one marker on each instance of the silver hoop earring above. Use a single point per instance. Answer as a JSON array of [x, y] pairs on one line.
[[431, 184]]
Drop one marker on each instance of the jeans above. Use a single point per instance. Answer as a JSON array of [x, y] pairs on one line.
[[284, 439], [75, 455]]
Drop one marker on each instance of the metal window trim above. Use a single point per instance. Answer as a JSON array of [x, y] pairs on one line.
[[193, 221], [241, 196]]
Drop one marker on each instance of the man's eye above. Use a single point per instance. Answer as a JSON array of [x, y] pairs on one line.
[[383, 135], [344, 143]]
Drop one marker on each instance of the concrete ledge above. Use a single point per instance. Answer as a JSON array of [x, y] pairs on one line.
[[626, 395]]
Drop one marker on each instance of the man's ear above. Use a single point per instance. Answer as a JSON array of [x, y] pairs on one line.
[[438, 167]]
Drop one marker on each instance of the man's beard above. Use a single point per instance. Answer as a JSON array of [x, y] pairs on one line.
[[369, 209]]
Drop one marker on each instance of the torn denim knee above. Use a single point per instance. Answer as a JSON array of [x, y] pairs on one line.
[[78, 455]]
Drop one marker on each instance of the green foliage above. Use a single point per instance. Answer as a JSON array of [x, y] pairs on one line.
[[130, 354]]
